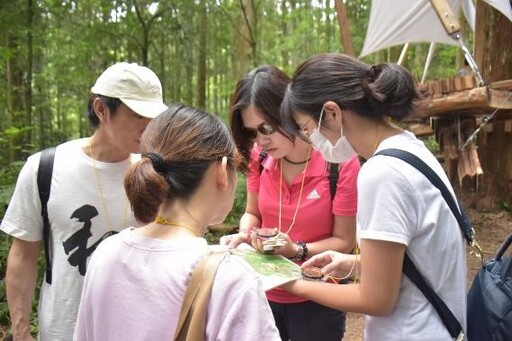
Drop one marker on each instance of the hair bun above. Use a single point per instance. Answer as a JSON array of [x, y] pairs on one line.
[[373, 73], [390, 90]]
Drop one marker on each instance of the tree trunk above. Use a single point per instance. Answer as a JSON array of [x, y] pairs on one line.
[[285, 55], [493, 56], [201, 60], [346, 38], [15, 101], [245, 43], [28, 79]]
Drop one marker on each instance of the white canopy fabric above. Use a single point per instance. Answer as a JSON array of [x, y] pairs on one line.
[[503, 6], [396, 22]]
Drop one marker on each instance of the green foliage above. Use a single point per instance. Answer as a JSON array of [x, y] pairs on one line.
[[432, 145], [8, 176], [52, 52], [505, 206], [233, 219], [239, 204], [72, 42], [5, 243]]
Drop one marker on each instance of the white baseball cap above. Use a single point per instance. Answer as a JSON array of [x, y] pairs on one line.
[[136, 86]]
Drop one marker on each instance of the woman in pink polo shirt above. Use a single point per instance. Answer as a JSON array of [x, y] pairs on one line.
[[288, 189]]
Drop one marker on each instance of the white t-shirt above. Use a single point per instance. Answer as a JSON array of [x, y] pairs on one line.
[[78, 220], [397, 203], [135, 286]]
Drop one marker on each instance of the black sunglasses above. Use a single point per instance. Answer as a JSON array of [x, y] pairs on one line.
[[264, 129]]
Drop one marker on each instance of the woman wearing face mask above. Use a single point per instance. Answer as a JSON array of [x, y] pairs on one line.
[[288, 190], [337, 98]]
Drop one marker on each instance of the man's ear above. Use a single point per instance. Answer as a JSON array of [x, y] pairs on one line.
[[100, 109], [222, 174]]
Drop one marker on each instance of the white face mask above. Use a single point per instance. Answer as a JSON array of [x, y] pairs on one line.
[[338, 153]]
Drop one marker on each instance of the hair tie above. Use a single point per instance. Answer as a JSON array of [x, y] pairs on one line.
[[372, 73], [157, 161]]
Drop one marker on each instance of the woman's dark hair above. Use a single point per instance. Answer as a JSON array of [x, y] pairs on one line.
[[110, 102], [263, 88], [177, 148], [372, 92]]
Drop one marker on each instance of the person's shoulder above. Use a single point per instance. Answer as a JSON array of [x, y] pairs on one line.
[[237, 268], [353, 164], [71, 145], [390, 169], [110, 243], [463, 72], [66, 149]]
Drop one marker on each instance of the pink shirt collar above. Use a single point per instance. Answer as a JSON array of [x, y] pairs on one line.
[[316, 166]]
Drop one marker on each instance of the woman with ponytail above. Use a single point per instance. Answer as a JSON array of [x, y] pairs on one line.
[[340, 104], [136, 280]]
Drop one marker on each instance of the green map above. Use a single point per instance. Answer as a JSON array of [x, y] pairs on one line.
[[274, 270]]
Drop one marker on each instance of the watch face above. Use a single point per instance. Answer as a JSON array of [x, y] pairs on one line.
[[312, 273], [266, 232]]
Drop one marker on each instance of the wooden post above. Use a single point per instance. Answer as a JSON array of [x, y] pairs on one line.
[[492, 52], [346, 39], [446, 16]]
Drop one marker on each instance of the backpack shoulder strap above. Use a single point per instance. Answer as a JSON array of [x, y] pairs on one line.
[[420, 165], [449, 320], [334, 175], [409, 269], [44, 182], [261, 158]]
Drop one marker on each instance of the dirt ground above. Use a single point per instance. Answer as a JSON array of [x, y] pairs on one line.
[[491, 229]]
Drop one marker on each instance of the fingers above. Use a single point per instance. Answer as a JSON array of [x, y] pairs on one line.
[[224, 240], [320, 260], [331, 269], [256, 243], [233, 240]]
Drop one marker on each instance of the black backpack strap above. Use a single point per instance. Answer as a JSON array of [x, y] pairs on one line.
[[261, 158], [44, 182], [409, 269], [449, 320], [334, 175], [416, 162]]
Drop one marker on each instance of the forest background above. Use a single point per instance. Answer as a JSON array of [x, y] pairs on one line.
[[51, 52]]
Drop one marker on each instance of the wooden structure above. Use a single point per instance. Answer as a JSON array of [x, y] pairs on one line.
[[461, 94], [452, 110]]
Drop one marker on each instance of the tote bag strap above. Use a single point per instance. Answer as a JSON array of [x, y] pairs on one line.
[[191, 323]]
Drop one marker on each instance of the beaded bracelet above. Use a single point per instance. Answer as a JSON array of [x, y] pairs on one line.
[[302, 253]]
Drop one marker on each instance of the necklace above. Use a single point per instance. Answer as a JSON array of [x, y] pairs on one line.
[[102, 197], [295, 162], [300, 193], [377, 140], [165, 221]]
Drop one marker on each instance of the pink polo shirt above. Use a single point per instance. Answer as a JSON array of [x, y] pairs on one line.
[[315, 218]]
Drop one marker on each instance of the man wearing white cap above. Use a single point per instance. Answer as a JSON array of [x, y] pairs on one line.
[[87, 201]]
